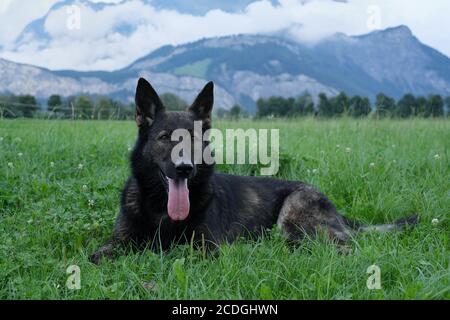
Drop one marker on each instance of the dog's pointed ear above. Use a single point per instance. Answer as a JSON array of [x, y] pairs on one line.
[[148, 103], [203, 104]]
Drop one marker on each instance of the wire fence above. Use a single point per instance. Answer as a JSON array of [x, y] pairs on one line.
[[12, 110]]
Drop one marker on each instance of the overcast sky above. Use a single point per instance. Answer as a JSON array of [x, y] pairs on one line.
[[98, 45]]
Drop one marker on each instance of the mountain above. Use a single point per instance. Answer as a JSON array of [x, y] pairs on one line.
[[392, 61], [247, 67], [21, 79]]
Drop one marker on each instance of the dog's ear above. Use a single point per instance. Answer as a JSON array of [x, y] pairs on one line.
[[203, 105], [148, 103]]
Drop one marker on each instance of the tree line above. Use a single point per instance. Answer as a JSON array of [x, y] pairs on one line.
[[103, 108], [355, 106], [82, 107]]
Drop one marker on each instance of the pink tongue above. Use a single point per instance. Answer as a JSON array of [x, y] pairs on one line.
[[178, 204]]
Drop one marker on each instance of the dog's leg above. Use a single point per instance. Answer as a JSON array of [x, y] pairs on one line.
[[123, 236], [307, 212], [128, 227], [105, 251]]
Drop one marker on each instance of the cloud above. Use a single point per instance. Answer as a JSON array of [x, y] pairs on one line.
[[16, 14], [114, 36]]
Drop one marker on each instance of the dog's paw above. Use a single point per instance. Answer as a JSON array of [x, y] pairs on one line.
[[96, 258], [104, 252]]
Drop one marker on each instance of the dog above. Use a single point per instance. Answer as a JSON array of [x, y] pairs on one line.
[[166, 203]]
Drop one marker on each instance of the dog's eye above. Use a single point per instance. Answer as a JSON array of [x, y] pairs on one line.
[[164, 136]]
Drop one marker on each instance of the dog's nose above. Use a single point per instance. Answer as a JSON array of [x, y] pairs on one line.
[[184, 170]]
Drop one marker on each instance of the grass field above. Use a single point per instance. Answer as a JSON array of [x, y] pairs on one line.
[[59, 195]]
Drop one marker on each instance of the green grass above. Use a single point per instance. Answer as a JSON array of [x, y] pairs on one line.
[[47, 224], [196, 69]]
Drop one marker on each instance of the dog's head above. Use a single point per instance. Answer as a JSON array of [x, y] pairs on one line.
[[161, 148]]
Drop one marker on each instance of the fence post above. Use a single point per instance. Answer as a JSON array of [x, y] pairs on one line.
[[73, 111]]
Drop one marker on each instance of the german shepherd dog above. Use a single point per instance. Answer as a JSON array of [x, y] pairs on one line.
[[166, 203]]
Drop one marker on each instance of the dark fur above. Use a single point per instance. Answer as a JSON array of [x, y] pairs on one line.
[[223, 207]]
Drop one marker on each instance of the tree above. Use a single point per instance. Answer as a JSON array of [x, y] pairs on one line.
[[261, 108], [325, 108], [55, 105], [28, 104], [435, 106], [279, 106], [221, 113], [366, 107], [304, 105], [385, 106], [406, 106], [340, 104], [54, 101], [84, 107], [359, 107], [125, 111], [104, 108], [172, 102], [420, 107], [235, 112], [275, 106], [309, 105], [9, 107], [69, 107]]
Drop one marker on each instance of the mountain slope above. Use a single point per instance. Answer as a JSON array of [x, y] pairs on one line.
[[395, 61], [25, 79], [392, 61]]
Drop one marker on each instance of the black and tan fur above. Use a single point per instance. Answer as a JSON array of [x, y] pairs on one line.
[[223, 206]]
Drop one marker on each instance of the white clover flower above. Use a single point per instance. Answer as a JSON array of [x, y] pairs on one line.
[[435, 222], [80, 166], [1, 139], [437, 157], [20, 154], [10, 164], [84, 187], [52, 164], [91, 203], [314, 171], [372, 165], [338, 146], [308, 171], [348, 150]]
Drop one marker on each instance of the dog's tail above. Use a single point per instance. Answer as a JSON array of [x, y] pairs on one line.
[[399, 224]]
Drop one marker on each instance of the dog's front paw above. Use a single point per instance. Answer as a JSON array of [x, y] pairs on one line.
[[104, 252], [96, 258]]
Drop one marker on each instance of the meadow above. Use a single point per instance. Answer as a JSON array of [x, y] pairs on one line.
[[60, 183]]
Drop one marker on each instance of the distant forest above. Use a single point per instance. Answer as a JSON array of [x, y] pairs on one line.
[[80, 107], [356, 106], [85, 107]]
